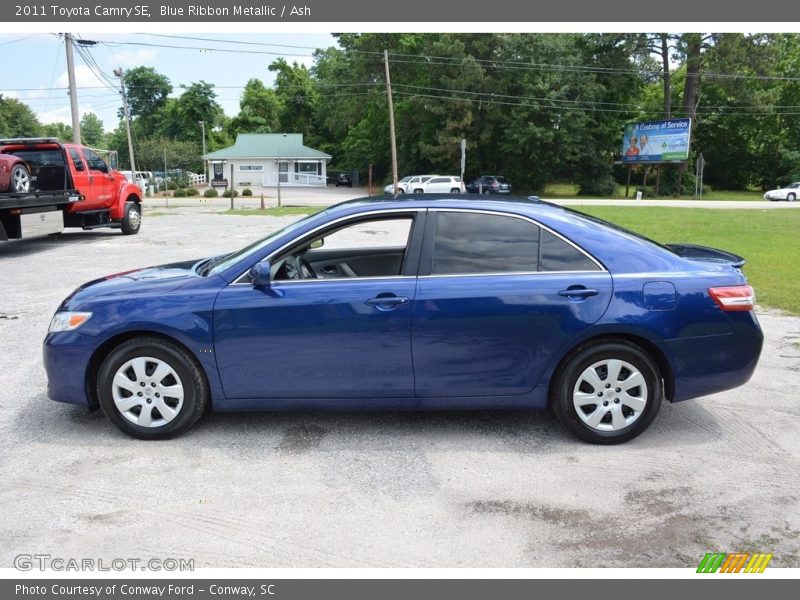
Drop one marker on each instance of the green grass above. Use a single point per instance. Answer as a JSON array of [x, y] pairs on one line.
[[275, 211], [766, 238], [568, 190]]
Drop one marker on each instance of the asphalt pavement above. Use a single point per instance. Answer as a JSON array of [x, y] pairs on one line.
[[439, 489]]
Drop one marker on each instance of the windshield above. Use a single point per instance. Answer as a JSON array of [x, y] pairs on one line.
[[255, 247]]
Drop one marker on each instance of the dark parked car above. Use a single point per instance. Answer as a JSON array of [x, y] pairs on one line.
[[489, 184], [447, 302], [15, 177], [344, 179]]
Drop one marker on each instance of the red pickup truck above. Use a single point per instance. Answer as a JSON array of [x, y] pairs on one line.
[[70, 186]]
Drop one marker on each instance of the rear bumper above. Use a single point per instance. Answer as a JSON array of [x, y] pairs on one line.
[[711, 364]]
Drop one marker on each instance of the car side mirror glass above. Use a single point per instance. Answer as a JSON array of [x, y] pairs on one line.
[[317, 244], [260, 274]]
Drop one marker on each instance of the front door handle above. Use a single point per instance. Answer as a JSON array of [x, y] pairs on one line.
[[578, 293], [387, 302]]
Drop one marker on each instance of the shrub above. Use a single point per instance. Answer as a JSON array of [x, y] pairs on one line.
[[247, 192], [180, 193], [171, 185], [192, 192], [210, 193], [228, 193]]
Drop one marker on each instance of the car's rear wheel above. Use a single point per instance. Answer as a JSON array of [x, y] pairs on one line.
[[608, 392], [151, 388], [20, 179], [418, 191], [791, 197], [131, 219], [455, 191]]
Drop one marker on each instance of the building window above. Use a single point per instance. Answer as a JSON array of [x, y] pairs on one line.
[[251, 168], [308, 168]]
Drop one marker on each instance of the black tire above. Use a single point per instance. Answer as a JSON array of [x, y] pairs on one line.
[[455, 191], [20, 181], [132, 218], [791, 197], [567, 378], [419, 191], [190, 376]]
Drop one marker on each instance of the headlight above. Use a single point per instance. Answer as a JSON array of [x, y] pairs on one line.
[[68, 320]]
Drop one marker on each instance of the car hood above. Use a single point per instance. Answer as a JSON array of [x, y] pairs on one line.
[[158, 279]]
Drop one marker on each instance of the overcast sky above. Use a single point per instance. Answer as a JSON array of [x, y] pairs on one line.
[[41, 66]]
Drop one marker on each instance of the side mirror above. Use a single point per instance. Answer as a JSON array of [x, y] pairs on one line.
[[317, 244], [259, 274]]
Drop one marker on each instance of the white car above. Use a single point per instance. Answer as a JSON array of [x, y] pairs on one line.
[[790, 193], [440, 184], [414, 181], [389, 189]]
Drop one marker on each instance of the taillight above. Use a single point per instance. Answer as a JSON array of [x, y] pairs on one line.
[[734, 297]]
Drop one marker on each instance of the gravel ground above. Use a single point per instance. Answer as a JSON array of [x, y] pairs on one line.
[[473, 489]]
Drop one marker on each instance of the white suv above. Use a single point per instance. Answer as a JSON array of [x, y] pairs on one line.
[[413, 182], [439, 184]]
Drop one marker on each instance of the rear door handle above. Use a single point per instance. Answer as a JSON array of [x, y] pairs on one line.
[[578, 293]]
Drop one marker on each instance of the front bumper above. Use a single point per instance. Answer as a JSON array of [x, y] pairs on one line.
[[66, 358]]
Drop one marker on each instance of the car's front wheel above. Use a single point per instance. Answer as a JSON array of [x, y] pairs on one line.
[[608, 392], [791, 197], [20, 179], [151, 388]]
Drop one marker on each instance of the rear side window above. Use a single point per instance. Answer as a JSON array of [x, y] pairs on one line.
[[470, 243], [558, 255], [76, 159]]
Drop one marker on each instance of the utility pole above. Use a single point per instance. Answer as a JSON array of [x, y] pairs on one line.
[[73, 93], [391, 120], [119, 73], [203, 127]]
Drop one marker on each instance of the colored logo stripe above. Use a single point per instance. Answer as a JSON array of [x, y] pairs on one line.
[[734, 563]]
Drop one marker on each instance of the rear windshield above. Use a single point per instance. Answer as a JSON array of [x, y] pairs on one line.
[[619, 228], [41, 158], [501, 180]]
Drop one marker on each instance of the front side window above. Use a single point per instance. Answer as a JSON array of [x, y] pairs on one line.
[[472, 243], [94, 161], [373, 247]]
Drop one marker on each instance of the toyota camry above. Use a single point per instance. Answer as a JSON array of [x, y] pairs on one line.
[[423, 302]]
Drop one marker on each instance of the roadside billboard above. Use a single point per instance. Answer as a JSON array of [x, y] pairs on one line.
[[656, 141]]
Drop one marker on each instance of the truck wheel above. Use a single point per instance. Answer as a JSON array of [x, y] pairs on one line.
[[131, 219], [20, 179]]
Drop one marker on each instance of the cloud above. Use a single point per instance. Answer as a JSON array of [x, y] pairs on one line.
[[135, 58], [84, 78]]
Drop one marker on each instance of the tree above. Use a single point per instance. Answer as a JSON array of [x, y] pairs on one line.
[[147, 91], [259, 110], [58, 130], [17, 119], [92, 130], [298, 96]]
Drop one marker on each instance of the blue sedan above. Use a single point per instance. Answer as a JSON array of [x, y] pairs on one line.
[[456, 302]]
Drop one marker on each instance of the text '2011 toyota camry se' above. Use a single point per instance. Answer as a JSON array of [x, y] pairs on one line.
[[424, 302]]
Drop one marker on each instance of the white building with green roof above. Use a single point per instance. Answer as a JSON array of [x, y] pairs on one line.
[[260, 159]]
